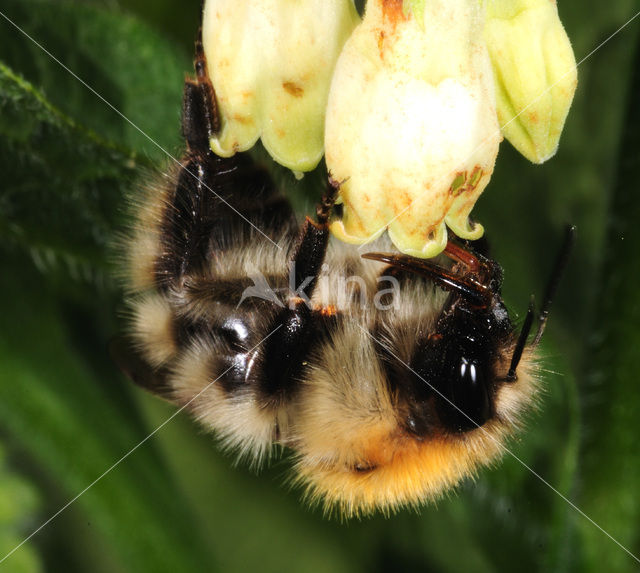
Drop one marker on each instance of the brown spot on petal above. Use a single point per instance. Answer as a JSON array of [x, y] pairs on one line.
[[401, 200], [406, 199], [242, 119], [392, 11], [463, 183], [293, 89], [381, 44]]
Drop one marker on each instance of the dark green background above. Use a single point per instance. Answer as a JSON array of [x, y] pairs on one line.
[[178, 504]]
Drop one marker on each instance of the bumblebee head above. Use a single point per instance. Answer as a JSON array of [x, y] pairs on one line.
[[387, 420]]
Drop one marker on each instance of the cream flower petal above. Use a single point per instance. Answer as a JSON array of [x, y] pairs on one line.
[[411, 128], [536, 73], [270, 62]]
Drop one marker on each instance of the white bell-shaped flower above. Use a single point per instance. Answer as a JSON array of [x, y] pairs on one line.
[[411, 131], [270, 62]]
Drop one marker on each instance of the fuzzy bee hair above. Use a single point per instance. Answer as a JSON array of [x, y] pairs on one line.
[[383, 405]]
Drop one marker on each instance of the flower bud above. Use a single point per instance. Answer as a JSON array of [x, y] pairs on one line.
[[270, 62], [411, 131], [535, 70]]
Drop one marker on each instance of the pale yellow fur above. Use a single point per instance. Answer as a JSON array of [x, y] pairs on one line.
[[152, 328], [352, 452]]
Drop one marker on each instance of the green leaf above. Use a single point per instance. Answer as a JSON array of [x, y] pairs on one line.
[[18, 503], [610, 487], [61, 401], [62, 183], [60, 398], [132, 68]]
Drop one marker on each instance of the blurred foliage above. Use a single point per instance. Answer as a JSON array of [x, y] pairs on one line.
[[176, 503], [18, 502]]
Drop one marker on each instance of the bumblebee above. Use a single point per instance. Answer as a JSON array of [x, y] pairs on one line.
[[386, 396]]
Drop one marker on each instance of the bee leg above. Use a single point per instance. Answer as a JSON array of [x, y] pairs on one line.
[[217, 203], [200, 119], [314, 238], [460, 255], [323, 209], [296, 328], [476, 293]]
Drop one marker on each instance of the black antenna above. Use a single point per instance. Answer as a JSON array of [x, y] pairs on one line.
[[552, 286], [554, 280], [522, 341]]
